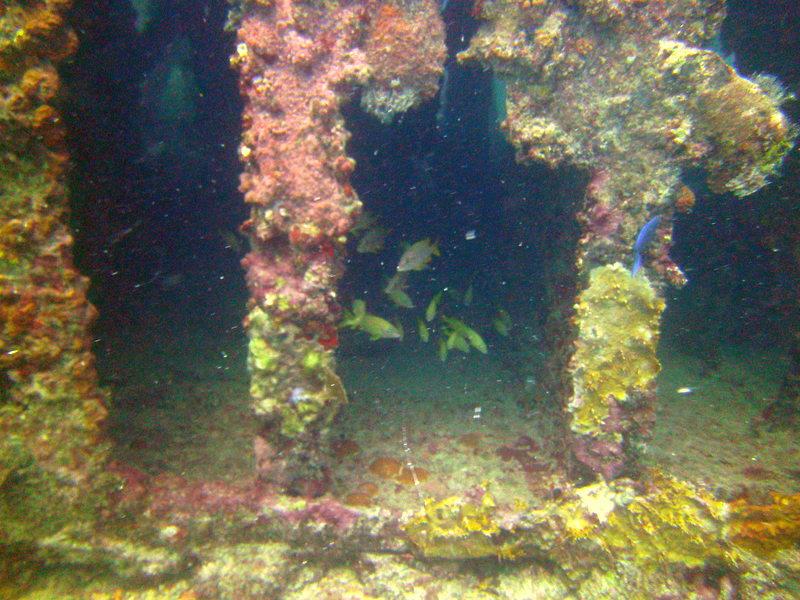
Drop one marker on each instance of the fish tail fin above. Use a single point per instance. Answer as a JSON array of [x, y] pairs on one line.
[[359, 308], [348, 320], [353, 319], [637, 263]]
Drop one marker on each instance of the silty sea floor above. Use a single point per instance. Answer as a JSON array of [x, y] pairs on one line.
[[461, 423]]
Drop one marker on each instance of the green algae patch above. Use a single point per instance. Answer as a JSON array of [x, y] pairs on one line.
[[263, 357], [618, 324], [291, 377], [312, 360]]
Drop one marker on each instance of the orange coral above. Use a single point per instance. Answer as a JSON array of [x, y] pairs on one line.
[[358, 499], [43, 24], [684, 201], [765, 528], [368, 488], [390, 468], [46, 123], [391, 33], [41, 83], [362, 495], [406, 477], [386, 468], [471, 440], [398, 53], [584, 46], [44, 315]]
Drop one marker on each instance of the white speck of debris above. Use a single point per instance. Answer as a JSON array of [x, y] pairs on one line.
[[470, 235], [684, 390]]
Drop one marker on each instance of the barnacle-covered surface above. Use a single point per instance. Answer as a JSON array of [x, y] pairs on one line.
[[51, 409]]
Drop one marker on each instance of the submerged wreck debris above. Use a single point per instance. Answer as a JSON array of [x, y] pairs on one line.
[[629, 538], [51, 409], [625, 91], [298, 63], [668, 525]]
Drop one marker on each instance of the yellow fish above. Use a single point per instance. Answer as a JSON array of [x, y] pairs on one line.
[[396, 290], [461, 336], [400, 298], [430, 312], [502, 322], [468, 296], [230, 240], [366, 220], [424, 333], [376, 327]]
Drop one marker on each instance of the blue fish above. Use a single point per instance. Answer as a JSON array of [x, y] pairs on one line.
[[645, 236]]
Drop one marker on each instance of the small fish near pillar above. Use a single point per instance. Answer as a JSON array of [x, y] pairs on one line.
[[298, 63], [630, 94]]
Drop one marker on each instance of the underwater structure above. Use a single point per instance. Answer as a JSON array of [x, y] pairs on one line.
[[298, 64], [51, 409], [625, 91], [622, 89]]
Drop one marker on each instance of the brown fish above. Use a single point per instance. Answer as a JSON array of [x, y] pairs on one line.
[[418, 256]]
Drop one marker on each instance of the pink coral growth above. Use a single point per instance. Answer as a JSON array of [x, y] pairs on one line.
[[275, 281], [597, 189], [406, 66], [296, 69], [171, 495], [603, 220], [600, 455]]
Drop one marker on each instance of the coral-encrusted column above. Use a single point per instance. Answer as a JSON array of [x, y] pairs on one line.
[[50, 406], [623, 90], [298, 63]]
